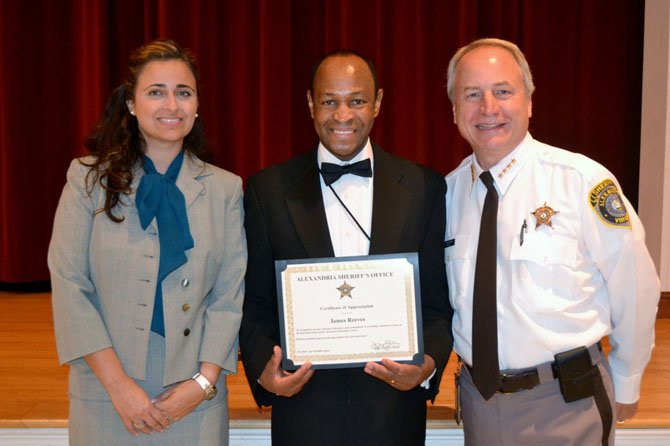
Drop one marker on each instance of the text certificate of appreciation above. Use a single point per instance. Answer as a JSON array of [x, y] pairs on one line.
[[346, 311]]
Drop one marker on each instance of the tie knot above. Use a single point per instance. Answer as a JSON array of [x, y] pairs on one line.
[[332, 172], [487, 179]]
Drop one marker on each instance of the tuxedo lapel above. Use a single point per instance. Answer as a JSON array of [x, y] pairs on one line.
[[391, 204], [305, 204]]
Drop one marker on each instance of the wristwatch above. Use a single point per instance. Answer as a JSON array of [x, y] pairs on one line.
[[208, 387]]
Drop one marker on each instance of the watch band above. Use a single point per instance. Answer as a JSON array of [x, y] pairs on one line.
[[208, 387]]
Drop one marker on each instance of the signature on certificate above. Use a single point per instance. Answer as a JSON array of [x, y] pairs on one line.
[[386, 345]]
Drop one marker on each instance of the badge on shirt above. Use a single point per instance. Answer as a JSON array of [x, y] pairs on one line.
[[543, 215], [606, 201]]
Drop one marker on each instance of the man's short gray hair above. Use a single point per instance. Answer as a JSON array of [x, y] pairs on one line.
[[489, 42]]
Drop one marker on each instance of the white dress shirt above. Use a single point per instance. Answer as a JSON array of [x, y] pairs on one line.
[[568, 284], [356, 193]]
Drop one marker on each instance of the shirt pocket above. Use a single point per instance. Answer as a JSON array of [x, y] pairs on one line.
[[459, 264], [546, 272]]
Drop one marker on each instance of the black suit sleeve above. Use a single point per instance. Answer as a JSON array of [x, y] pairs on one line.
[[259, 331], [436, 309]]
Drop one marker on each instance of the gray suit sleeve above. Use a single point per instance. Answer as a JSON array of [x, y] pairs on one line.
[[224, 313], [79, 327]]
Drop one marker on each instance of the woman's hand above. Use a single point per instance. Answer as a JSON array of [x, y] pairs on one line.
[[179, 400], [130, 401], [182, 398], [135, 409]]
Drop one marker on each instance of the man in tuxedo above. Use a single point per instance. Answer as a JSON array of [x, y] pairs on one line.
[[386, 205]]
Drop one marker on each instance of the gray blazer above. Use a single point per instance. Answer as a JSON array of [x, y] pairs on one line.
[[103, 275]]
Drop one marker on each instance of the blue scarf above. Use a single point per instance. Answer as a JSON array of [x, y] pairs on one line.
[[158, 196]]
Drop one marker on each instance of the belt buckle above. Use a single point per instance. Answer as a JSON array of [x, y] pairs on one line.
[[517, 382]]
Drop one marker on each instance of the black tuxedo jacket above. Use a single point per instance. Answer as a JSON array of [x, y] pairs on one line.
[[285, 219]]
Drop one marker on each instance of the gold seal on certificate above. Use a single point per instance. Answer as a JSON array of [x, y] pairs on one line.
[[346, 311]]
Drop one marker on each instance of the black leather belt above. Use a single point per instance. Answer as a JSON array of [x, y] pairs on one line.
[[523, 380], [515, 382]]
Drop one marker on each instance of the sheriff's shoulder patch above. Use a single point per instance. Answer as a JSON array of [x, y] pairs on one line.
[[606, 202]]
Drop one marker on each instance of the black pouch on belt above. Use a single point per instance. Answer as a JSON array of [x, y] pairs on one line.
[[575, 374]]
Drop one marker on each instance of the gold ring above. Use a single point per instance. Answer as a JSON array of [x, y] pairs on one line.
[[139, 426]]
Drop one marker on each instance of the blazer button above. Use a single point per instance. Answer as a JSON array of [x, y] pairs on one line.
[[185, 308], [185, 282], [187, 332]]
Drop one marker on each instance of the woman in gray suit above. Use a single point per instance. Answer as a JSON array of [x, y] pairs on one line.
[[147, 261]]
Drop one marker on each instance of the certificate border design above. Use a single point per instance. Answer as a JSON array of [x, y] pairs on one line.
[[283, 270]]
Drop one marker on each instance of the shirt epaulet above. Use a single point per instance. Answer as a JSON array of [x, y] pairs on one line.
[[589, 169]]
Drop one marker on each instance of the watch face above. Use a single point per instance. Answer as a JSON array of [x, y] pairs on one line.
[[210, 392]]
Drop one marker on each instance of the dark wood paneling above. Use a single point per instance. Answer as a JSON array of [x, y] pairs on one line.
[[664, 306]]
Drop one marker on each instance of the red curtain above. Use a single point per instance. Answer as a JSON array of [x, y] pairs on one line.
[[60, 59]]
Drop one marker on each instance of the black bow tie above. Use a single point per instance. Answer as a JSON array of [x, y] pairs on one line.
[[332, 172]]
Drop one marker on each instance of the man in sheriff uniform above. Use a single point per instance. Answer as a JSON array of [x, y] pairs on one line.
[[563, 265]]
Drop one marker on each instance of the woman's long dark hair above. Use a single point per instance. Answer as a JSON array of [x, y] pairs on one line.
[[116, 141]]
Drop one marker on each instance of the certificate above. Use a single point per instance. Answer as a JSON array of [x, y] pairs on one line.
[[346, 311]]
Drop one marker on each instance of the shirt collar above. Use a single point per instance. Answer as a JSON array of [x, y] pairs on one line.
[[506, 169], [324, 156]]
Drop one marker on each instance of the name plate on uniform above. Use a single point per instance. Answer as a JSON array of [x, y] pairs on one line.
[[346, 311]]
